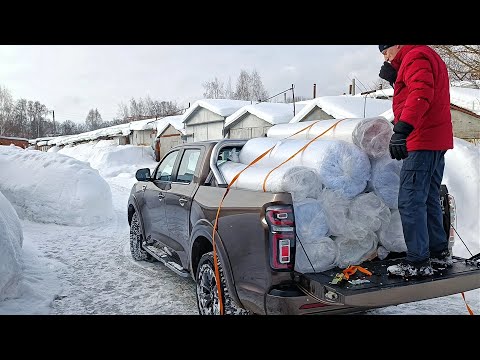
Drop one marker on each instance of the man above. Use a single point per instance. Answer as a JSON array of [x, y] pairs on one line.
[[422, 134]]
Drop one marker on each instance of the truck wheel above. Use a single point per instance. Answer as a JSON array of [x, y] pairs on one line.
[[136, 240], [207, 294]]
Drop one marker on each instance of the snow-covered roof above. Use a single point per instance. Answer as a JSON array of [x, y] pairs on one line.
[[13, 138], [345, 106], [273, 113], [116, 130], [222, 107], [146, 124], [176, 121]]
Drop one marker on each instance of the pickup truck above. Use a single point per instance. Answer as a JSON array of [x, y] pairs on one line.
[[171, 214]]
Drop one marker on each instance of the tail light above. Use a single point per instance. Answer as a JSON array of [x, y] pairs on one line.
[[281, 224], [453, 221]]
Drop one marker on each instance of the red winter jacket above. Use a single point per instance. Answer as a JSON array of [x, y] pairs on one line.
[[422, 98]]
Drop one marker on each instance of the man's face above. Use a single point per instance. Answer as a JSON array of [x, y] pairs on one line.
[[390, 53]]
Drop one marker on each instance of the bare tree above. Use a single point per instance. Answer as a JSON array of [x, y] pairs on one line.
[[149, 107], [463, 61], [6, 106], [93, 120], [213, 89], [257, 90], [68, 127], [229, 94], [242, 89], [123, 111]]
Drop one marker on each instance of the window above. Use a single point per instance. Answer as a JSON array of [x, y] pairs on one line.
[[165, 169], [188, 165]]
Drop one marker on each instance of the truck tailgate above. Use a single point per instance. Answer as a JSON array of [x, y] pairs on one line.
[[382, 290]]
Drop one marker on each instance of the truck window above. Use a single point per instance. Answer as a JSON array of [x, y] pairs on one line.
[[165, 169], [188, 165]]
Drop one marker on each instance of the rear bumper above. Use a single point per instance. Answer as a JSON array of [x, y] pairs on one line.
[[294, 302]]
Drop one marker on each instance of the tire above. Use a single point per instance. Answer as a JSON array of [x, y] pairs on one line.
[[207, 294], [136, 237]]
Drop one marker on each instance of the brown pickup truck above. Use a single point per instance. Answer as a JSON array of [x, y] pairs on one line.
[[171, 215]]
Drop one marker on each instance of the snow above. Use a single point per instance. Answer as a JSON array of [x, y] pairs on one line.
[[53, 188], [222, 107], [112, 160], [72, 269], [345, 106], [274, 113], [176, 121], [466, 98], [11, 240]]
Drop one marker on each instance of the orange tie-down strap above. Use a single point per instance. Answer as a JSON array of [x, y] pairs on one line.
[[215, 226], [468, 307], [349, 271]]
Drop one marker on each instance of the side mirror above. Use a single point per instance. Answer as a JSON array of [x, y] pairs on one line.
[[143, 174]]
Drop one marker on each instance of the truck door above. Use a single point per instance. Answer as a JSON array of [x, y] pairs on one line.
[[154, 199], [178, 202]]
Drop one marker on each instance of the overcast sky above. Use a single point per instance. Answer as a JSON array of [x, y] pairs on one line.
[[71, 80]]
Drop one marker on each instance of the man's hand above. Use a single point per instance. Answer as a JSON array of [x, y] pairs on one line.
[[398, 141], [387, 72]]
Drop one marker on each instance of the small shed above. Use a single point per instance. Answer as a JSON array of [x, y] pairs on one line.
[[254, 120], [170, 130], [143, 132], [205, 119]]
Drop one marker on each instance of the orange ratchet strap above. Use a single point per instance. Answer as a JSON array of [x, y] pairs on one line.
[[353, 269]]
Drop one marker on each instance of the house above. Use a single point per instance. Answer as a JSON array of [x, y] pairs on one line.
[[341, 107], [254, 120], [205, 119], [170, 130], [20, 142]]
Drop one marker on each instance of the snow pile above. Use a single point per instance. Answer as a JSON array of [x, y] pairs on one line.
[[462, 177], [54, 188], [11, 241], [113, 160]]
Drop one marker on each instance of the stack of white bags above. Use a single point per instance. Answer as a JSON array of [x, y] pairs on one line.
[[344, 187]]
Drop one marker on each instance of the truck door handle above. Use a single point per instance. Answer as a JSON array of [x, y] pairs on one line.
[[161, 196], [182, 201]]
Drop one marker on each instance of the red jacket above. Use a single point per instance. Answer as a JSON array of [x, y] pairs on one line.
[[422, 98]]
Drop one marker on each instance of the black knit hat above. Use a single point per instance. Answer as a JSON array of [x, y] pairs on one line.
[[383, 47]]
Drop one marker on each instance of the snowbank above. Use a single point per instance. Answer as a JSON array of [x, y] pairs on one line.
[[54, 188], [112, 160], [462, 177], [11, 240]]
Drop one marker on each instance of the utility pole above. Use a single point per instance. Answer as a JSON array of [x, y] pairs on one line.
[[293, 98], [54, 130]]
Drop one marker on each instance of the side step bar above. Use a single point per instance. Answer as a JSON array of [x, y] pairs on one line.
[[166, 259]]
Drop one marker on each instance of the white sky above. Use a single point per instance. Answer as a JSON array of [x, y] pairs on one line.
[[71, 269], [72, 79]]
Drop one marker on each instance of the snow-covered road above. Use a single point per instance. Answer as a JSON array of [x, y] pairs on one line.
[[97, 273]]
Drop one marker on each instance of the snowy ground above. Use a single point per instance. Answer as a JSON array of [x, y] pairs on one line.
[[89, 270]]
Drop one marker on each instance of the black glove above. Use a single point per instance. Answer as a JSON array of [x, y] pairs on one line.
[[398, 142], [387, 72]]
